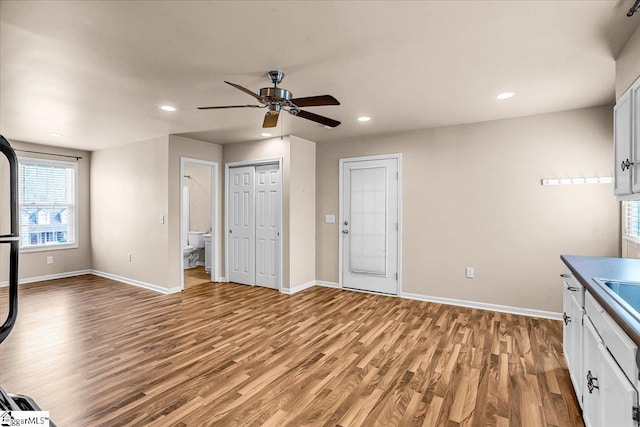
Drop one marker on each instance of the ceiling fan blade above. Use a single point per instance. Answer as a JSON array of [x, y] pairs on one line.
[[315, 101], [245, 90], [316, 118], [229, 106], [270, 119]]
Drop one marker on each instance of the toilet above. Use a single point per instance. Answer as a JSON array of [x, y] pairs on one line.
[[191, 252]]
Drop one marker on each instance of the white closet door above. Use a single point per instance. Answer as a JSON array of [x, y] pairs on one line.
[[370, 225], [267, 226], [242, 225]]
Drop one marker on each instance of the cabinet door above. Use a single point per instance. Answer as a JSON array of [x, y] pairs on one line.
[[635, 136], [575, 368], [572, 332], [590, 369], [567, 330], [622, 135], [618, 397]]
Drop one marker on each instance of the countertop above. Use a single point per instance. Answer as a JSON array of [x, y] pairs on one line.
[[585, 268]]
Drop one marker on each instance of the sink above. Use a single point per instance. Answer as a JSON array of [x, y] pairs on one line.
[[627, 292]]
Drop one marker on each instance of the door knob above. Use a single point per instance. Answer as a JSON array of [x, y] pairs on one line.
[[345, 231]]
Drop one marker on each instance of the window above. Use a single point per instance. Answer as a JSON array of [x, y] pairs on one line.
[[48, 204], [631, 221]]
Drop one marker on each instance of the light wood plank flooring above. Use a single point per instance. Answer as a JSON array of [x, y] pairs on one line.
[[95, 352], [195, 276]]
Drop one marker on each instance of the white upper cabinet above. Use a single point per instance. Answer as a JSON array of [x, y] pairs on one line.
[[626, 134], [635, 135], [622, 142]]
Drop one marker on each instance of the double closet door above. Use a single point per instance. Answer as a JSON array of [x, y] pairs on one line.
[[254, 225]]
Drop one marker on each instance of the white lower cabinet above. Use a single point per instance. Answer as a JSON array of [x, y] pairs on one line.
[[590, 397], [609, 397], [572, 299]]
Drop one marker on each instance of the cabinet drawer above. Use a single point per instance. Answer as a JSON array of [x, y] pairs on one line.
[[617, 342]]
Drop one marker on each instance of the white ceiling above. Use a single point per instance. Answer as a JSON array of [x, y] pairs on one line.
[[97, 71]]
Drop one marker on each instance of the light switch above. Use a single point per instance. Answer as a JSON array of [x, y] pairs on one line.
[[330, 219]]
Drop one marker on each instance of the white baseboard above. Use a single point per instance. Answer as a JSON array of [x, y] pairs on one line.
[[485, 306], [463, 303], [290, 291], [47, 277], [200, 264], [299, 288], [136, 282], [328, 284]]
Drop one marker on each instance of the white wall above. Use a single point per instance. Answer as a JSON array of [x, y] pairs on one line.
[[128, 197], [268, 149], [298, 200], [472, 198], [186, 147], [199, 183], [628, 64], [34, 264], [302, 216]]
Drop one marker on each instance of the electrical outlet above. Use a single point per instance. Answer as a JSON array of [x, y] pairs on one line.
[[49, 260], [161, 219], [470, 272], [129, 257]]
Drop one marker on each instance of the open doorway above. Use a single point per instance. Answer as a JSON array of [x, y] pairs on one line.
[[198, 221]]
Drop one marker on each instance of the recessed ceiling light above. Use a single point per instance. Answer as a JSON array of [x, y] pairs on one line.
[[364, 119], [505, 95], [265, 134], [167, 108], [55, 134]]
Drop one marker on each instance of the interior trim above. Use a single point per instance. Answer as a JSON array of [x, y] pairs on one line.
[[47, 277], [485, 306], [137, 283], [290, 291], [299, 288]]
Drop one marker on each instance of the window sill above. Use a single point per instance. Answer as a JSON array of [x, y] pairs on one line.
[[48, 248]]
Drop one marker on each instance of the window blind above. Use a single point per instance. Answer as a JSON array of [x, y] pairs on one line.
[[47, 202], [631, 220]]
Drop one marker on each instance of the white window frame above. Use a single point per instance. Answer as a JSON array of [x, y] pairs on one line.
[[630, 214], [45, 162]]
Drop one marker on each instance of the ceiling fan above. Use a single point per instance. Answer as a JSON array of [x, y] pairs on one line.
[[277, 99]]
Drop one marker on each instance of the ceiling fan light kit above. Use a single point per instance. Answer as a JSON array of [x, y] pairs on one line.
[[277, 99]]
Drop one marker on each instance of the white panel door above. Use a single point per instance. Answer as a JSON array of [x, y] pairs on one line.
[[267, 226], [370, 225], [242, 225]]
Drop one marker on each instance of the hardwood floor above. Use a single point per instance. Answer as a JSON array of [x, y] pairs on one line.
[[195, 276], [95, 352]]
